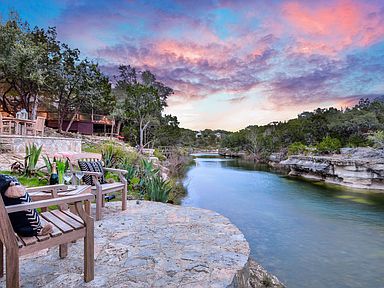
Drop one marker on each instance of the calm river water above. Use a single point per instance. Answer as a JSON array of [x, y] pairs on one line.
[[308, 235]]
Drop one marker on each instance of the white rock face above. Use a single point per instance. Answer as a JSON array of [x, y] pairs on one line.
[[355, 167]]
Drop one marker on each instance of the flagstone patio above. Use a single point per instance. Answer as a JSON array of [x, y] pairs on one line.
[[149, 245]]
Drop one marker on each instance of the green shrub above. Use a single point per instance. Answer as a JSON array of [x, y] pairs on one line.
[[28, 181], [329, 145], [131, 158], [112, 155], [296, 148], [377, 139], [90, 147], [159, 155], [356, 140], [157, 188], [177, 193]]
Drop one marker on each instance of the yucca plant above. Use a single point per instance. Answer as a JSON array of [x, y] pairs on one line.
[[48, 164], [32, 155], [157, 189]]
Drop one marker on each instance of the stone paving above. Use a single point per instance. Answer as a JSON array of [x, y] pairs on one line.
[[149, 245]]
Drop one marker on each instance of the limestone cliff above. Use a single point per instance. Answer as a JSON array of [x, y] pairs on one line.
[[355, 167]]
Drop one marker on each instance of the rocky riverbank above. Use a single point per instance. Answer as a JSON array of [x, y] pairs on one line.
[[353, 167]]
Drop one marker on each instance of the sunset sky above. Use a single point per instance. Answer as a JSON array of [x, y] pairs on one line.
[[231, 63]]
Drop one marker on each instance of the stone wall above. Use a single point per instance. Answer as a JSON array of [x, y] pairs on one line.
[[51, 145]]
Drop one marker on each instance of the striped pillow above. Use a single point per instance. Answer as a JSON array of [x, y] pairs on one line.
[[92, 166]]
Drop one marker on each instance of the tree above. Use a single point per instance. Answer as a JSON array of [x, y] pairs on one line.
[[23, 65], [77, 85], [94, 92], [168, 132], [254, 145], [144, 98]]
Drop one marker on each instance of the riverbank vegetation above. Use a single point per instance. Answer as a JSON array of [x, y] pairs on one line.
[[156, 178], [321, 131]]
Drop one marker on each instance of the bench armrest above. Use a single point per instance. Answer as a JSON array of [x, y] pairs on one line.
[[58, 187], [97, 174], [50, 202], [122, 171]]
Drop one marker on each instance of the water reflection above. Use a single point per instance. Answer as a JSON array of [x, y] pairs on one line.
[[308, 234]]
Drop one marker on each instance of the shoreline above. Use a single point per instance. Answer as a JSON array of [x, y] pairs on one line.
[[361, 168]]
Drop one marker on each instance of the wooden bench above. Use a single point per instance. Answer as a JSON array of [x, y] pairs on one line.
[[99, 190], [67, 227]]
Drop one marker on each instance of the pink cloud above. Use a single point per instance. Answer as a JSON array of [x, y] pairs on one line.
[[328, 29]]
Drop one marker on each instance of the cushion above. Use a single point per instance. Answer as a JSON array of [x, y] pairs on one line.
[[92, 166], [25, 223]]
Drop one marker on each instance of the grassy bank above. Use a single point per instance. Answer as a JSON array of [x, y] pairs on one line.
[[28, 181]]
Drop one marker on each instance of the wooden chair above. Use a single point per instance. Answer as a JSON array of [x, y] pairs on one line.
[[99, 190], [67, 227], [5, 126], [37, 126]]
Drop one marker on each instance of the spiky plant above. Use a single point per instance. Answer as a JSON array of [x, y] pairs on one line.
[[157, 189], [32, 155]]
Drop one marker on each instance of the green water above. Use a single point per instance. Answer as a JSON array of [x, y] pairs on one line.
[[307, 234]]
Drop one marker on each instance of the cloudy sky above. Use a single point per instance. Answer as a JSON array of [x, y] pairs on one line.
[[231, 63]]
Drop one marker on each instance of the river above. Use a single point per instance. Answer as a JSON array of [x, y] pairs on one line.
[[309, 235]]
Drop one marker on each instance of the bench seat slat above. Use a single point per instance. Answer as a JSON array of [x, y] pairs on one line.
[[67, 219], [28, 240], [74, 216], [64, 227], [43, 237], [55, 231]]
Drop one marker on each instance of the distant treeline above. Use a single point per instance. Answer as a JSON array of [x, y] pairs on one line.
[[324, 130]]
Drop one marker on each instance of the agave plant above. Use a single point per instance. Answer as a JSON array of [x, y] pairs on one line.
[[148, 169], [112, 155], [32, 154], [157, 188]]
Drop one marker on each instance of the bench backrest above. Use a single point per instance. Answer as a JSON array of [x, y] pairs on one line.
[[7, 234], [40, 123], [88, 157]]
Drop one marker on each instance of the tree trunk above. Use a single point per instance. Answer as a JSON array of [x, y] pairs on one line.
[[60, 124], [34, 107], [118, 127], [141, 135], [60, 120]]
